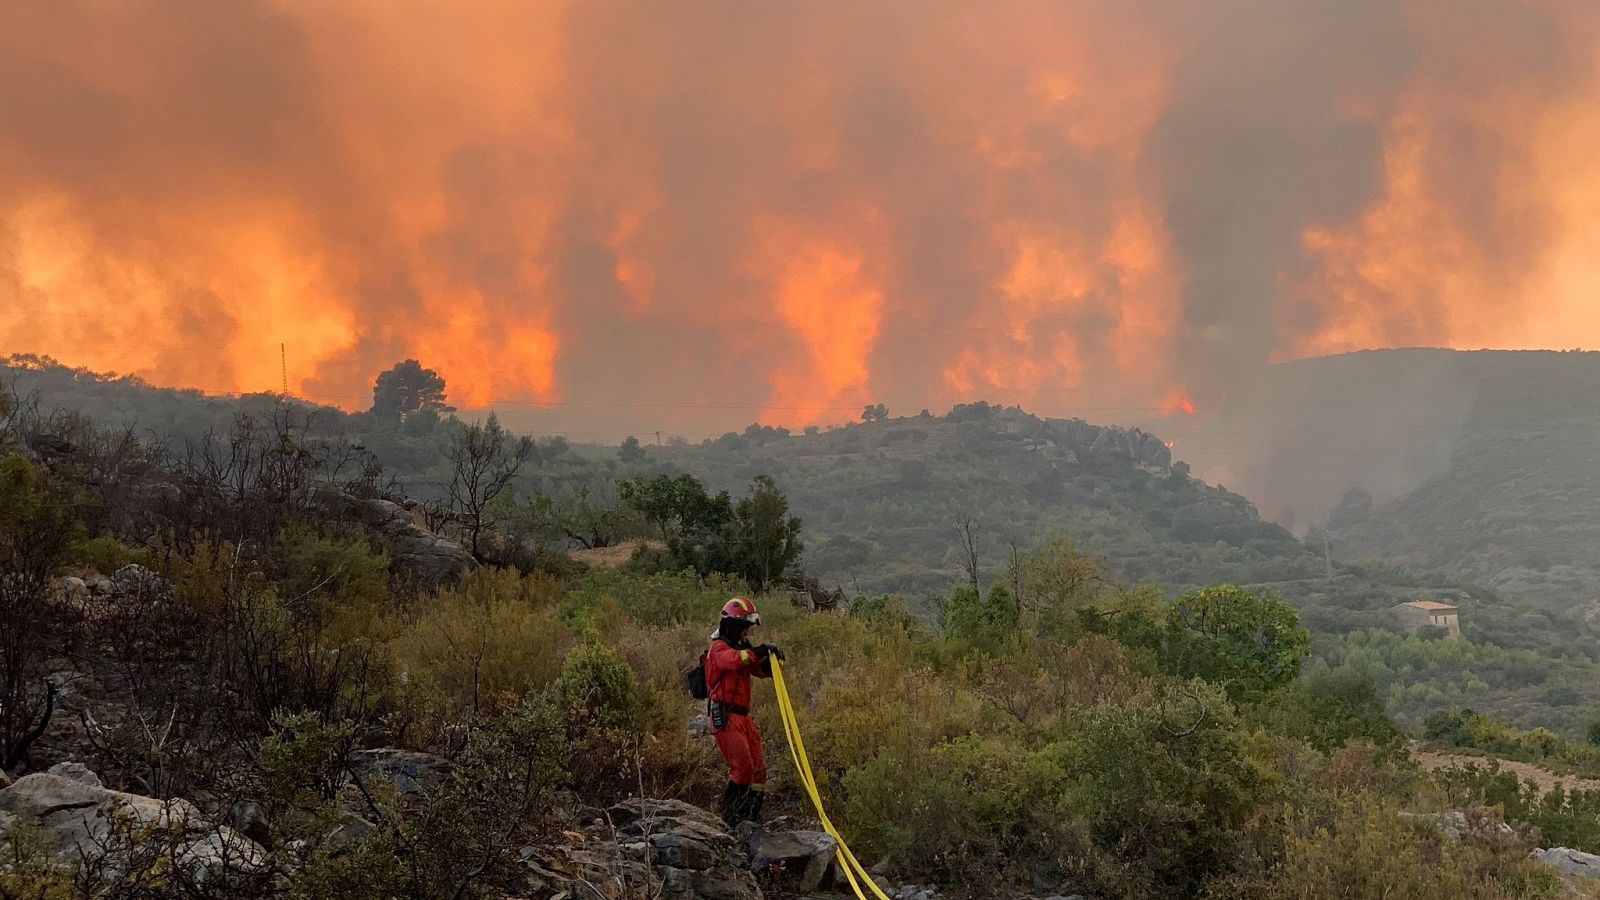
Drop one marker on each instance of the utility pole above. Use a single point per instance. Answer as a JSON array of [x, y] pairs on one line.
[[658, 439]]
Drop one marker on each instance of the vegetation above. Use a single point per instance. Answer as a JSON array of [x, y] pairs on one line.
[[1039, 718]]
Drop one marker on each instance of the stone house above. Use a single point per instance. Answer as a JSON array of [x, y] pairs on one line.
[[1418, 613]]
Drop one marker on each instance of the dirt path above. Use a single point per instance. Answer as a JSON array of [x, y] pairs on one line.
[[1434, 760]]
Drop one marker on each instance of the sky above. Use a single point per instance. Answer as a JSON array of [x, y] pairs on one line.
[[627, 216]]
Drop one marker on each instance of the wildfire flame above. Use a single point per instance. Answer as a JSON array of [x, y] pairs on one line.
[[620, 204]]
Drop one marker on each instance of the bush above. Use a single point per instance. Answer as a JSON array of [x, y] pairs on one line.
[[1368, 851], [1165, 786], [106, 554], [496, 635], [599, 686]]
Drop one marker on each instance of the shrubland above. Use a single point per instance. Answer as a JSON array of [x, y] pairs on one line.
[[1054, 726], [884, 500]]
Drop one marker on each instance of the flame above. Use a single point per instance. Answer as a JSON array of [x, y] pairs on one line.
[[1485, 234], [962, 202]]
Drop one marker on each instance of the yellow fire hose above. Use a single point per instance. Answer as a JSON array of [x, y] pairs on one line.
[[854, 872]]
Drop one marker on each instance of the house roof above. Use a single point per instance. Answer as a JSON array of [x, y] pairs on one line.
[[1430, 605]]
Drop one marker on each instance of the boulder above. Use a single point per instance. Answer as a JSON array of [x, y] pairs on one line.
[[352, 829], [694, 856], [70, 592], [792, 861], [410, 773], [1571, 863], [249, 818], [82, 820], [136, 579], [432, 560], [76, 771]]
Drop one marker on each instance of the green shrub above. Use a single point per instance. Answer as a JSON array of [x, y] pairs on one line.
[[29, 868], [599, 686], [496, 635], [1163, 785], [106, 554], [304, 754]]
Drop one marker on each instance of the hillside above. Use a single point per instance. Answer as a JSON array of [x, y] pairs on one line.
[[1519, 507], [283, 681], [882, 501]]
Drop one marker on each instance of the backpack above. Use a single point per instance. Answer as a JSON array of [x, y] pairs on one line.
[[694, 678]]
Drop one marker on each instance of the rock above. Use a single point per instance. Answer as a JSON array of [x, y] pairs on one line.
[[51, 447], [352, 829], [249, 818], [136, 579], [75, 771], [433, 560], [792, 861], [83, 820], [70, 591], [410, 773], [694, 856], [5, 780], [1467, 824], [682, 851], [1571, 863], [99, 585]]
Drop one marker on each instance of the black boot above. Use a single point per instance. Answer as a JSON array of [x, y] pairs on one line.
[[734, 801], [755, 802]]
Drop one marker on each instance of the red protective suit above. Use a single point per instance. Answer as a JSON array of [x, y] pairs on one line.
[[729, 668]]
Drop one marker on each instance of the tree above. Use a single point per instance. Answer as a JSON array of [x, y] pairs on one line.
[[1057, 578], [484, 457], [766, 539], [37, 528], [671, 504], [1241, 639], [969, 550], [630, 452], [408, 388], [986, 623], [875, 412]]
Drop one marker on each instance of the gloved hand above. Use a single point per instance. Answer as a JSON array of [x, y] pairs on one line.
[[772, 650]]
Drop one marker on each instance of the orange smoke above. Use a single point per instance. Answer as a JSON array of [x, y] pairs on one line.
[[1487, 230], [783, 211]]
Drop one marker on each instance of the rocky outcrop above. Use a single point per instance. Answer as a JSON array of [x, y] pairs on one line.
[[1571, 863], [410, 773], [691, 850], [135, 579], [658, 848], [432, 560], [1085, 441], [89, 824], [1480, 825]]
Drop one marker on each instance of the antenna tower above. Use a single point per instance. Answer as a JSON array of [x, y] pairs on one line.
[[283, 365]]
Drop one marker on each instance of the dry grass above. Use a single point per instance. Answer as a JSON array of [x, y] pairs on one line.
[[615, 556]]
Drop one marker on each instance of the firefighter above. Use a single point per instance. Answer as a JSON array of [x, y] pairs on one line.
[[731, 661]]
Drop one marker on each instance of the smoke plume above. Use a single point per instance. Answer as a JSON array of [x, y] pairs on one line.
[[632, 215]]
